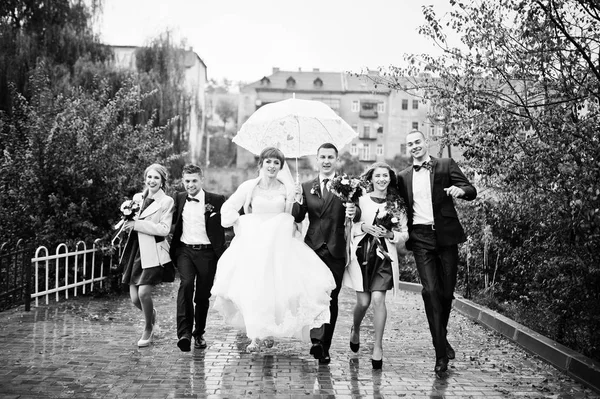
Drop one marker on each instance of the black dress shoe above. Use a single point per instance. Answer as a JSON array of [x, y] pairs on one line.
[[185, 344], [317, 350], [325, 359], [199, 342], [377, 364], [353, 347], [441, 365], [449, 351]]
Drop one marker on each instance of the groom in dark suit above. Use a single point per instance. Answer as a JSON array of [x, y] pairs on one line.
[[429, 188], [198, 243], [325, 235]]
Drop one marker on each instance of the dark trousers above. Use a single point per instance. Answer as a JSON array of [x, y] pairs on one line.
[[437, 267], [324, 334], [199, 267]]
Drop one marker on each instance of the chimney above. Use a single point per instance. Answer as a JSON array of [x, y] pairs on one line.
[[315, 69], [299, 69], [275, 69]]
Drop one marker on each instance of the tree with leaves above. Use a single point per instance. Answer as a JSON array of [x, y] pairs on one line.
[[520, 94]]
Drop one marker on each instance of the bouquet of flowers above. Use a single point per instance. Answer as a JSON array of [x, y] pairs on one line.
[[394, 209], [349, 189], [129, 210], [389, 220]]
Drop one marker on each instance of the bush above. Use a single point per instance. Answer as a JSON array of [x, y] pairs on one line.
[[522, 264], [69, 160]]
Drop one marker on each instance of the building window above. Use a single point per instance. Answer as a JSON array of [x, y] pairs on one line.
[[415, 104], [404, 104], [381, 107], [380, 129], [333, 103], [355, 127], [380, 149], [365, 152], [415, 126], [354, 149], [355, 106], [367, 130], [291, 82], [318, 83]]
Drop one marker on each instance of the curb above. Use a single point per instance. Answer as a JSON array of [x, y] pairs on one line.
[[574, 364]]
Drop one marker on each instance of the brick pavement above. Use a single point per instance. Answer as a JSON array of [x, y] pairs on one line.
[[86, 348]]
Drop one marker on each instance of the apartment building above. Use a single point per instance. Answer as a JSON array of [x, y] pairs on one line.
[[382, 117]]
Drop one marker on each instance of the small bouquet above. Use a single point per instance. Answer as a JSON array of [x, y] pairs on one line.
[[390, 220], [394, 209], [314, 190], [129, 210], [348, 189]]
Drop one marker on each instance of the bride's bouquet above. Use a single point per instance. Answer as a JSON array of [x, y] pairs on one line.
[[348, 189]]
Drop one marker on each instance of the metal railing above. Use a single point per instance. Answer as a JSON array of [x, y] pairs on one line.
[[26, 275], [15, 274]]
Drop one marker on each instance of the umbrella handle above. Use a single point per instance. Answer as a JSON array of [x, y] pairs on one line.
[[297, 174]]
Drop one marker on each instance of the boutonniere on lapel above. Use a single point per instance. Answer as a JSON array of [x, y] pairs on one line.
[[209, 209], [315, 189]]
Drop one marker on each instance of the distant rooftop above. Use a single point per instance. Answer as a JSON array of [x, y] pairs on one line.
[[315, 81]]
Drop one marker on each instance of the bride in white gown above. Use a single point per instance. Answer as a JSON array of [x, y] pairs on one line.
[[268, 282]]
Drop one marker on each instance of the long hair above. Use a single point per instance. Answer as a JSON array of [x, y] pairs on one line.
[[161, 170], [367, 176]]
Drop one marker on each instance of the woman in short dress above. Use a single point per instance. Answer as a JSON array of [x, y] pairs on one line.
[[373, 268], [147, 250]]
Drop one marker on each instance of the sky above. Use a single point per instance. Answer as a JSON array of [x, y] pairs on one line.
[[242, 40]]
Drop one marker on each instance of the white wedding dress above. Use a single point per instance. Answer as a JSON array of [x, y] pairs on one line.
[[268, 282]]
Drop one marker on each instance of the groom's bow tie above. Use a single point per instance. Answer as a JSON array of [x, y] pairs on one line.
[[427, 165], [188, 199]]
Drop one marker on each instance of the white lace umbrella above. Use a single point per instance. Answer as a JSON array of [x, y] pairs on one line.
[[297, 127]]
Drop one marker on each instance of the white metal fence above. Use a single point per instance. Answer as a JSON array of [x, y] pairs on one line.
[[69, 272]]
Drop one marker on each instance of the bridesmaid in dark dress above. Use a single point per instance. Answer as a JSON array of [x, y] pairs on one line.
[[373, 268], [147, 250]]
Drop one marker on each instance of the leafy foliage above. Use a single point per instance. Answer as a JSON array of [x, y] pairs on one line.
[[58, 32], [69, 160], [161, 67], [520, 95]]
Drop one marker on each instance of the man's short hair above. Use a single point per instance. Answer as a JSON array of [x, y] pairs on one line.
[[417, 131], [190, 168], [328, 145]]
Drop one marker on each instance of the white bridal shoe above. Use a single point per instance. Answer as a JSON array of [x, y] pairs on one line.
[[142, 343]]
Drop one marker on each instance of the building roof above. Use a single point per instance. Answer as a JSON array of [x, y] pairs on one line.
[[315, 81]]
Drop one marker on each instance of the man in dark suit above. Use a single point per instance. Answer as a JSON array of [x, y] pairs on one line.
[[429, 187], [198, 243], [325, 235]]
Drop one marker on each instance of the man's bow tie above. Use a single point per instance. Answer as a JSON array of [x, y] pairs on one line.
[[192, 199], [427, 165]]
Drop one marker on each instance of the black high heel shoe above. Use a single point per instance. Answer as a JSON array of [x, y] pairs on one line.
[[353, 347], [377, 364]]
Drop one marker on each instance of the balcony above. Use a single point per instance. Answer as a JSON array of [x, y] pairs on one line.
[[367, 136], [368, 110]]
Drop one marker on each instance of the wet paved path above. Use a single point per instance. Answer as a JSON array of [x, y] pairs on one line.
[[86, 348]]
